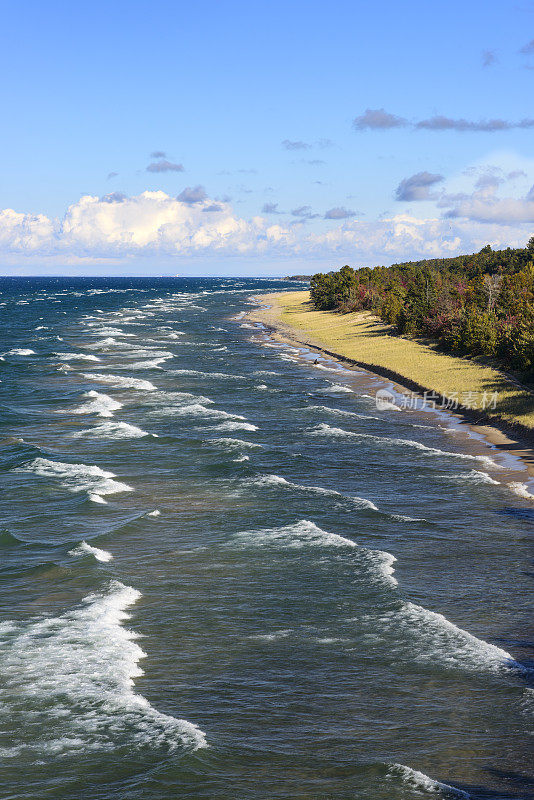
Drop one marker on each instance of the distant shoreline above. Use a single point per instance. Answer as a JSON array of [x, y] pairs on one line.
[[290, 318]]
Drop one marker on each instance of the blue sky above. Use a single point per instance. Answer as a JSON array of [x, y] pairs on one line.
[[282, 136]]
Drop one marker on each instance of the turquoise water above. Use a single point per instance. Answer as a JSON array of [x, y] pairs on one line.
[[226, 574]]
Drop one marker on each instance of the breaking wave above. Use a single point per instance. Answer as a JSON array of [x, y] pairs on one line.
[[76, 477], [71, 679]]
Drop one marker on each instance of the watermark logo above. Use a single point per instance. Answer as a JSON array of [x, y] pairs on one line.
[[384, 399], [411, 401]]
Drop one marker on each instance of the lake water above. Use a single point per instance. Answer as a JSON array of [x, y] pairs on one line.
[[226, 574]]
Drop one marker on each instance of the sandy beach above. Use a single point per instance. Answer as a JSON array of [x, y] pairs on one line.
[[362, 341]]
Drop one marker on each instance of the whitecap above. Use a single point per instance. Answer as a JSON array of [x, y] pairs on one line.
[[87, 549], [200, 374], [474, 476], [277, 480], [425, 637], [120, 382], [20, 351], [155, 513], [76, 356], [230, 425], [335, 388], [327, 430], [340, 412], [234, 444], [76, 477], [95, 498], [73, 675], [98, 403], [418, 780], [196, 410], [153, 363], [113, 430], [521, 489], [302, 534]]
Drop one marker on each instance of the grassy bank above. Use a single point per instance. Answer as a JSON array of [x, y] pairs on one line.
[[363, 338]]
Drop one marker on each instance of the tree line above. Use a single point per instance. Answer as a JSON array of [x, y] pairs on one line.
[[477, 305]]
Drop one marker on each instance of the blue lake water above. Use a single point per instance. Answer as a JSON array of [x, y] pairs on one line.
[[226, 574]]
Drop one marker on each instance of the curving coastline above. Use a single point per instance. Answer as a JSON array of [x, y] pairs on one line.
[[290, 318]]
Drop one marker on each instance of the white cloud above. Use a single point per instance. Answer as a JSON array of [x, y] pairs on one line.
[[155, 225]]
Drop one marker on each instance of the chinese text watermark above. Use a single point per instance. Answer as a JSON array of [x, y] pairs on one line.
[[412, 401]]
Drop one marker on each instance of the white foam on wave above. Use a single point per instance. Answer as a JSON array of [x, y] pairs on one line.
[[76, 477], [331, 369], [302, 534], [153, 363], [148, 352], [196, 410], [113, 430], [98, 403], [111, 332], [20, 351], [72, 677], [335, 388], [521, 489], [95, 498], [327, 430], [120, 382], [200, 374], [234, 444], [104, 344], [87, 549], [277, 480], [418, 780], [232, 425], [180, 398], [383, 561], [474, 476], [76, 357], [425, 637], [340, 412]]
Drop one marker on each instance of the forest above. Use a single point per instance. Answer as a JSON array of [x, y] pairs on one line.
[[475, 305]]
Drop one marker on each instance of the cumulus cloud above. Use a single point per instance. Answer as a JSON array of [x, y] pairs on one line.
[[192, 194], [288, 144], [164, 166], [379, 119], [155, 225], [484, 206], [417, 187], [339, 212]]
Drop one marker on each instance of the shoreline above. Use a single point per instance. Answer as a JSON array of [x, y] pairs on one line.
[[515, 440]]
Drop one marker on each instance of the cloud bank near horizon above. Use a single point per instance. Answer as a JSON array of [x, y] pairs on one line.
[[153, 224]]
